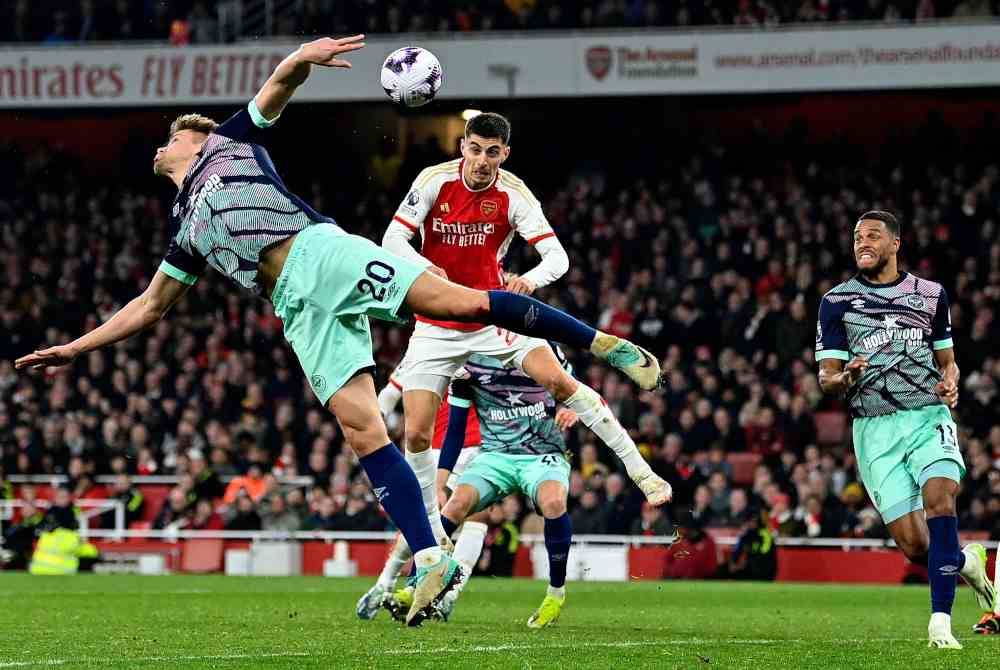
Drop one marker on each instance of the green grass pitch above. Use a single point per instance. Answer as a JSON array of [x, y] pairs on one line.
[[126, 622]]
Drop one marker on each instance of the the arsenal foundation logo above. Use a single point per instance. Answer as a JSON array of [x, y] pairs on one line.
[[488, 208], [599, 61]]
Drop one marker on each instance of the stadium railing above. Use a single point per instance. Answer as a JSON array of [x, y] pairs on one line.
[[87, 509], [56, 480], [388, 536]]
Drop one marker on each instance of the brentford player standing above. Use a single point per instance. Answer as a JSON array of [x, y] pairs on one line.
[[466, 212]]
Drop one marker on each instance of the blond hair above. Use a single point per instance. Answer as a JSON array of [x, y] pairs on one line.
[[195, 122]]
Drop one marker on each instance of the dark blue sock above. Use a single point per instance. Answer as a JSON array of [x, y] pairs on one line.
[[558, 534], [944, 560], [527, 316], [449, 525], [396, 487]]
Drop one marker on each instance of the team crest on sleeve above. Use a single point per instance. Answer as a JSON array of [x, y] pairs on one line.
[[915, 301], [488, 207]]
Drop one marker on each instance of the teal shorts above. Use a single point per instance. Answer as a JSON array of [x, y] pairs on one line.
[[330, 284], [899, 452], [495, 476]]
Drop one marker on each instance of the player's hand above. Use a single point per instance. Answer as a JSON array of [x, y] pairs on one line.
[[520, 285], [54, 357], [947, 390], [566, 418], [854, 370], [325, 50], [435, 270]]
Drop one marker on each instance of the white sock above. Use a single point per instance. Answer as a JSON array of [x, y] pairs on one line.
[[468, 547], [557, 591], [427, 558], [398, 557], [971, 563], [424, 465], [595, 415], [388, 399]]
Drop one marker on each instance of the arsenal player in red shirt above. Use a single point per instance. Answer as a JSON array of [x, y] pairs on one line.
[[466, 212]]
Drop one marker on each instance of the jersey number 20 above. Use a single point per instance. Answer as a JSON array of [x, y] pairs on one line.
[[379, 272]]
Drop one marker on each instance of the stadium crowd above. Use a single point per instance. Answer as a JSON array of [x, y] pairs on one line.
[[717, 263], [198, 21]]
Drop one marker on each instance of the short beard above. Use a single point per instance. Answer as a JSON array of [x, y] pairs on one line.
[[875, 270]]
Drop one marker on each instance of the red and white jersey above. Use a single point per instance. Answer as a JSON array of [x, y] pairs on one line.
[[466, 232]]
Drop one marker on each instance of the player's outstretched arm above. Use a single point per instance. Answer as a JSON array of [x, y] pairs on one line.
[[294, 70], [140, 313]]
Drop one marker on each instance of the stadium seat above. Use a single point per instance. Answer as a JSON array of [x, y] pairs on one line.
[[154, 495], [831, 428], [201, 556], [743, 464]]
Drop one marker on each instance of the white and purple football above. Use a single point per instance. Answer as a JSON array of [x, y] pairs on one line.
[[412, 76]]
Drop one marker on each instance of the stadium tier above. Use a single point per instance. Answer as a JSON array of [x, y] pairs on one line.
[[212, 21]]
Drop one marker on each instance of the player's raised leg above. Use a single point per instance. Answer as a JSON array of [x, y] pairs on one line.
[[551, 500], [438, 298], [542, 365]]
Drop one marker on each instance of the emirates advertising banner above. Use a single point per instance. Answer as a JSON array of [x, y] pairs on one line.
[[484, 67]]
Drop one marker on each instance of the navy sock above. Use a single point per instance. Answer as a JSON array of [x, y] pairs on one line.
[[527, 316], [397, 489], [944, 561], [449, 525], [558, 534]]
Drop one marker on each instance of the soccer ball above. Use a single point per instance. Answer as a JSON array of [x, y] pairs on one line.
[[411, 76]]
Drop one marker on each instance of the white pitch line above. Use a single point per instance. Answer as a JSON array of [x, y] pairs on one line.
[[461, 650]]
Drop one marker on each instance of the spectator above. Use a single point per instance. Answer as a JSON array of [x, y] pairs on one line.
[[130, 496], [245, 517], [620, 505], [756, 554], [253, 483], [359, 513], [502, 541], [175, 510], [205, 517], [207, 484], [19, 537], [276, 515], [588, 519], [702, 512], [693, 555], [651, 522], [589, 465], [325, 516]]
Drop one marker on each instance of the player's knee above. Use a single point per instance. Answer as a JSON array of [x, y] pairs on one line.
[[553, 508], [561, 386], [458, 506], [552, 501], [468, 305], [417, 439]]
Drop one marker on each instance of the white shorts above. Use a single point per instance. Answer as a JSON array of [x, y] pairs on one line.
[[435, 354], [464, 458]]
